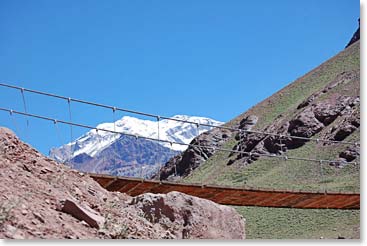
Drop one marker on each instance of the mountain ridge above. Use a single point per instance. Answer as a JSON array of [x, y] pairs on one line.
[[119, 154]]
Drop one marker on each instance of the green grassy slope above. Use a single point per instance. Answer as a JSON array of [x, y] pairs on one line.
[[291, 174], [285, 223]]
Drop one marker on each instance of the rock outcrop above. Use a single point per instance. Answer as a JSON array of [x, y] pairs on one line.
[[331, 112], [311, 117], [190, 217], [182, 164], [350, 154], [355, 37], [40, 199]]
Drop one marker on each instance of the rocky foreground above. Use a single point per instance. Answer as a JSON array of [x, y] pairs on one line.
[[40, 199]]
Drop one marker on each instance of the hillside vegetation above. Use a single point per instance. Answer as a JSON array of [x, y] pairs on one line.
[[322, 104], [281, 107]]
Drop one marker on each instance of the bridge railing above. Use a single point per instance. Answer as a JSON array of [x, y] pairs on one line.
[[282, 169]]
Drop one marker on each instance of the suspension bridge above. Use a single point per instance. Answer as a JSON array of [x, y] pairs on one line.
[[240, 196], [233, 196]]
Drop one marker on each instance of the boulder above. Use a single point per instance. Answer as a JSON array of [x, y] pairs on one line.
[[91, 217], [248, 122], [305, 124], [327, 111], [189, 217], [351, 153], [344, 131]]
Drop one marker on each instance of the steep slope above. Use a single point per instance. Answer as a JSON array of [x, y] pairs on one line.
[[322, 104], [118, 154], [40, 199]]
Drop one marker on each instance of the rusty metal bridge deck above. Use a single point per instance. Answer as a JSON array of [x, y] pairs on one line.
[[233, 196]]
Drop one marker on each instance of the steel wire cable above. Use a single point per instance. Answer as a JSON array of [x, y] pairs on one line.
[[117, 137], [199, 149], [159, 150], [177, 120], [71, 131], [26, 111], [166, 141], [173, 155]]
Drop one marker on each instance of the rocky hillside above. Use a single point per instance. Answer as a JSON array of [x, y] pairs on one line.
[[323, 104], [40, 199]]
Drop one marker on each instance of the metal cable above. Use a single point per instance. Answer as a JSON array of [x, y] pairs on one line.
[[136, 161], [322, 175], [166, 141], [99, 142], [177, 120], [199, 149], [26, 111], [159, 150], [173, 155], [281, 146], [71, 131], [114, 128]]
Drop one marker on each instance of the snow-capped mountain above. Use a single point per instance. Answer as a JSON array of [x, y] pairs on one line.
[[93, 151]]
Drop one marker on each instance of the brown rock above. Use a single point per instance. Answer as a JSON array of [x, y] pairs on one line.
[[39, 217], [344, 131], [13, 232], [39, 192], [191, 159], [191, 217], [85, 214], [305, 124], [351, 153], [248, 122]]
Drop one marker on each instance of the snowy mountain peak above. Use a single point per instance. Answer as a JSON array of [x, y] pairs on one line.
[[93, 142]]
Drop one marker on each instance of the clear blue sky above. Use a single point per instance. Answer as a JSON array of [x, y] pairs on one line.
[[195, 57]]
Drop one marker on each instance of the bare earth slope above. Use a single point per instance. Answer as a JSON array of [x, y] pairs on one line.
[[42, 199]]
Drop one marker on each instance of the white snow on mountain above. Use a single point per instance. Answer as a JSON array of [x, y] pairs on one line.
[[94, 141]]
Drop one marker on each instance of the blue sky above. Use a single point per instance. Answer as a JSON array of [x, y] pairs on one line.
[[205, 57]]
